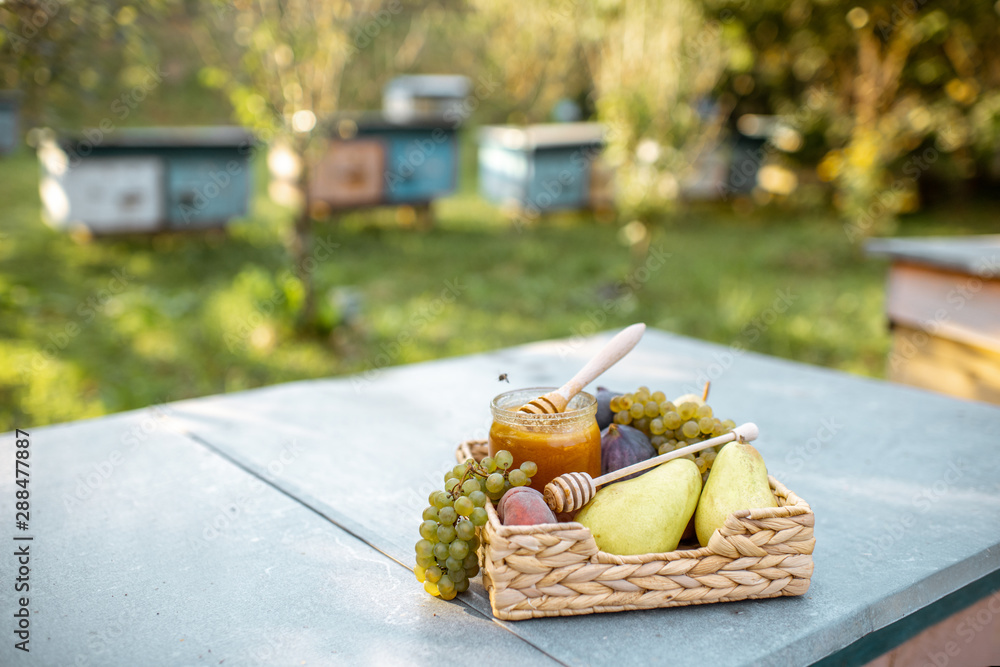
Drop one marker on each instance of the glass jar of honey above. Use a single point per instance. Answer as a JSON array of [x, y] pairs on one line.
[[557, 443]]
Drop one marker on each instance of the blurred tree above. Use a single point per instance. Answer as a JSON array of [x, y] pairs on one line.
[[60, 54], [282, 64], [897, 84], [655, 66], [531, 53]]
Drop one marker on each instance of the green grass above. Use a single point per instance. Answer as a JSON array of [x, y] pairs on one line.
[[190, 321]]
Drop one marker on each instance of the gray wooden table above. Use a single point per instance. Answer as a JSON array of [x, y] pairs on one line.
[[276, 526]]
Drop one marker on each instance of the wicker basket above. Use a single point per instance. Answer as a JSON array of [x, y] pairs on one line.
[[556, 569]]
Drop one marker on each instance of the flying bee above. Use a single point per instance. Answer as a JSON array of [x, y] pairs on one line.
[[503, 378]]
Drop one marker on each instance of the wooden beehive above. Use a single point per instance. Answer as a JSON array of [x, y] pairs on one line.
[[546, 167], [374, 161], [146, 180], [943, 305], [422, 96], [10, 121]]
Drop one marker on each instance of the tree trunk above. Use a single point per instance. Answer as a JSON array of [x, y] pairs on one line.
[[302, 247]]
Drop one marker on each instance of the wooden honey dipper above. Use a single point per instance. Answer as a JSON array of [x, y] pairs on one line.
[[571, 491], [616, 348]]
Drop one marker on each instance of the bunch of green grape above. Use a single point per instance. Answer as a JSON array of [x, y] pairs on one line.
[[446, 551], [671, 426]]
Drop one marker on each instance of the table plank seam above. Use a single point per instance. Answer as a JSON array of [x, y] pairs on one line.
[[194, 437]]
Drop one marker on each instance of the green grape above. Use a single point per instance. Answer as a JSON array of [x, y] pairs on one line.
[[668, 434], [459, 470], [494, 483], [625, 401], [504, 459], [623, 418], [667, 406], [445, 585], [470, 485], [488, 463], [706, 424], [478, 517], [517, 478], [430, 514], [494, 495], [430, 498], [440, 551], [709, 455], [672, 420], [507, 486], [478, 498], [462, 585], [459, 549], [642, 423], [656, 426], [428, 530], [420, 573], [447, 516], [433, 574], [657, 441], [643, 390], [687, 410], [665, 448], [442, 499], [426, 561], [465, 530], [473, 542], [529, 468], [637, 410], [652, 409], [464, 506], [689, 457], [718, 429], [453, 563], [450, 485], [450, 595], [424, 548], [690, 429], [729, 424], [457, 574], [704, 411], [450, 475], [615, 404], [446, 534], [658, 396], [431, 588], [472, 571], [470, 560], [700, 462]]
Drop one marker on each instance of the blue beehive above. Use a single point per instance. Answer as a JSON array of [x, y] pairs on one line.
[[543, 167], [10, 121], [146, 180], [374, 161]]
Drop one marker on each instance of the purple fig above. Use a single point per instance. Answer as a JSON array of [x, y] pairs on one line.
[[622, 446], [604, 413]]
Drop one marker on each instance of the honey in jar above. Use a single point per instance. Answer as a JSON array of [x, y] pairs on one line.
[[568, 441]]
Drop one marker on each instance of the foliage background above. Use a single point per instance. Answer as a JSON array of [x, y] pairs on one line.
[[866, 93]]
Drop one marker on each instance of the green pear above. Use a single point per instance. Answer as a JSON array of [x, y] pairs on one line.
[[647, 514], [737, 481]]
